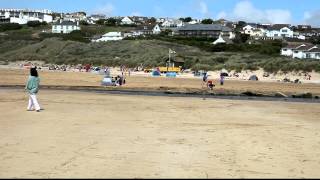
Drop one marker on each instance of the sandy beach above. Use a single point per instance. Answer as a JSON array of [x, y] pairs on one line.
[[88, 135], [100, 135], [141, 81]]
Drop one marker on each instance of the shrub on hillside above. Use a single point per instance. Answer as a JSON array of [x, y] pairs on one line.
[[198, 67], [9, 26], [34, 23], [76, 35]]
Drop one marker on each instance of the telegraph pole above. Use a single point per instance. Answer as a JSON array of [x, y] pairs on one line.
[[168, 61]]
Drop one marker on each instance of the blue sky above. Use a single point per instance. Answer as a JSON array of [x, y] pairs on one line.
[[264, 11]]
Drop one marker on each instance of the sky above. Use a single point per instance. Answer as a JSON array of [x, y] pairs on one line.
[[260, 11]]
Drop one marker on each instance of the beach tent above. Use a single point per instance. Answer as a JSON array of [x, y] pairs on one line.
[[171, 74], [107, 81], [253, 78], [156, 73], [224, 74]]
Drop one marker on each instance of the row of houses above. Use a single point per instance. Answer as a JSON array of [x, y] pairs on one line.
[[23, 16], [222, 33], [257, 31], [301, 51], [280, 31]]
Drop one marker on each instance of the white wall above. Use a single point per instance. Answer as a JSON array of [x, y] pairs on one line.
[[299, 54], [313, 55], [286, 32], [156, 29], [286, 52], [64, 29], [18, 20], [126, 20], [248, 29]]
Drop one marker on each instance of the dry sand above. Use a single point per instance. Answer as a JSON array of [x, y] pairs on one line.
[[58, 78], [87, 135]]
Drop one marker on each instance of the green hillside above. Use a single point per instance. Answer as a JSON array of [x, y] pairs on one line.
[[149, 52]]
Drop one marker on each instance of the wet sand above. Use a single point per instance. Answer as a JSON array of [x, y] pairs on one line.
[[89, 135]]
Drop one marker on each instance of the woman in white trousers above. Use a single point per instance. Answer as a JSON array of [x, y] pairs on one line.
[[32, 87]]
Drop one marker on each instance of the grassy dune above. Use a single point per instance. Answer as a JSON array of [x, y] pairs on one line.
[[149, 52]]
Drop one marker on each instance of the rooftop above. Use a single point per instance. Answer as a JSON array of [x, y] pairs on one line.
[[278, 26], [66, 23], [204, 27], [305, 48]]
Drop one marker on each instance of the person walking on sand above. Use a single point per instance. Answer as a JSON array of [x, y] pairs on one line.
[[32, 87]]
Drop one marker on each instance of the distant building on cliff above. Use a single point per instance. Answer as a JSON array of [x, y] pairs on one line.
[[23, 16], [65, 27]]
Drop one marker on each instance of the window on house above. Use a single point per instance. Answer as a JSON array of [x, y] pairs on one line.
[[308, 55], [318, 54], [284, 49], [284, 30], [276, 35], [296, 51]]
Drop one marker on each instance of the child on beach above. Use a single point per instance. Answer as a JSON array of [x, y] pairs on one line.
[[32, 87]]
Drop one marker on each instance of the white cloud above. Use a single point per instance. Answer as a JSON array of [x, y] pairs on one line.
[[245, 10], [106, 9], [278, 16], [203, 8], [312, 18]]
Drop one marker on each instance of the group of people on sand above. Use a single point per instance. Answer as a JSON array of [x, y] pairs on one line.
[[118, 80], [209, 83]]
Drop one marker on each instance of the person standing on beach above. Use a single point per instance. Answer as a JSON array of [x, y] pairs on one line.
[[221, 79], [205, 77], [32, 87]]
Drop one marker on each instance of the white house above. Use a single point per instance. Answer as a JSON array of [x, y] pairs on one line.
[[23, 16], [313, 53], [288, 50], [253, 30], [248, 29], [156, 29], [172, 23], [161, 20], [126, 20], [110, 36], [65, 27], [278, 31], [95, 17], [301, 51], [306, 51], [194, 21], [148, 29]]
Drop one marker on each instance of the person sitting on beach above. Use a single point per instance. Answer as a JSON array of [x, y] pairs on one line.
[[120, 80], [210, 85]]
